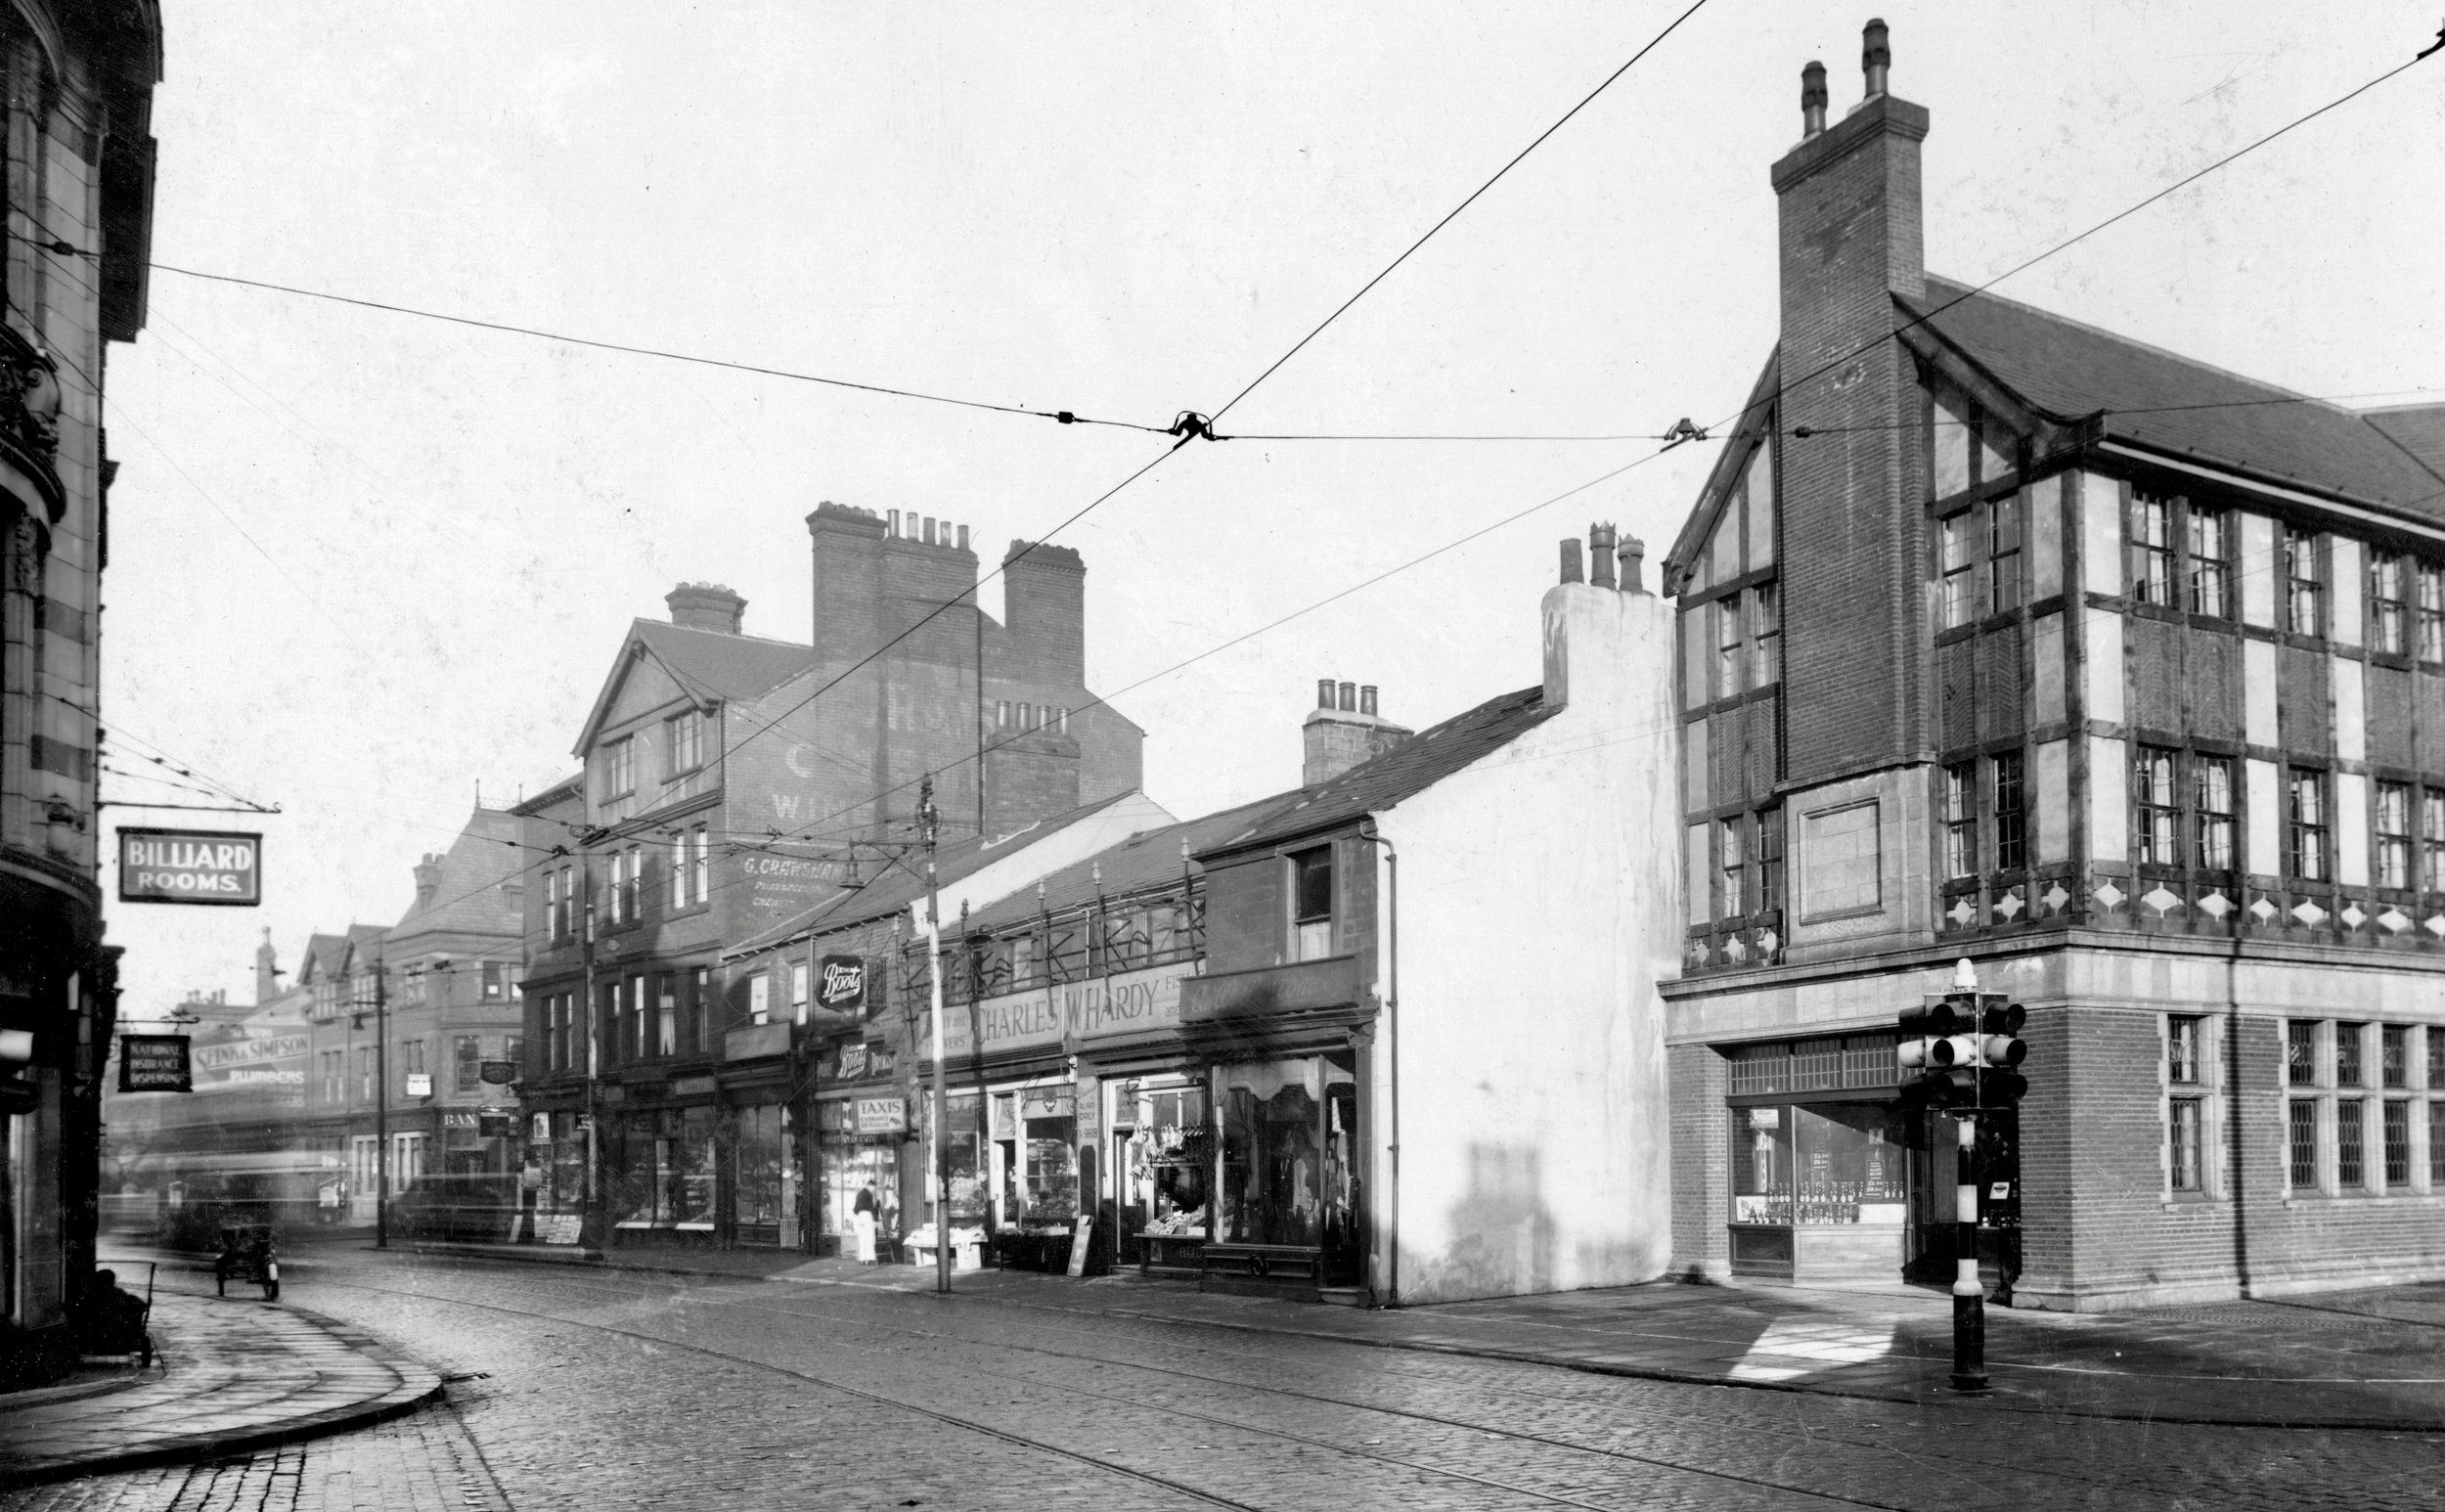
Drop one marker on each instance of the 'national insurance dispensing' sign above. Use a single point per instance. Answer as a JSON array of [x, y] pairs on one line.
[[191, 866]]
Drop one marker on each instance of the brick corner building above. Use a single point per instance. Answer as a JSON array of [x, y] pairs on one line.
[[2006, 638]]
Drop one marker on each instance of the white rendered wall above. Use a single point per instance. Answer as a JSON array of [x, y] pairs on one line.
[[1540, 908]]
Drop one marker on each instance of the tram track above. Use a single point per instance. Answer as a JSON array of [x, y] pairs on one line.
[[1042, 1317], [1361, 1453]]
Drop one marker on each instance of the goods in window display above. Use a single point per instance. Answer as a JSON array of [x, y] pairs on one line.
[[1819, 1164]]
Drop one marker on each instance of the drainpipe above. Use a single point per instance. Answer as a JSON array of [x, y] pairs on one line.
[[1390, 1208]]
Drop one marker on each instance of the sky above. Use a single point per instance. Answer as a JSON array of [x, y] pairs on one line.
[[365, 565]]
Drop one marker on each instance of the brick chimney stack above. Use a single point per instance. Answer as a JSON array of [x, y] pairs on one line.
[[706, 607], [1044, 598], [1342, 730], [1852, 243]]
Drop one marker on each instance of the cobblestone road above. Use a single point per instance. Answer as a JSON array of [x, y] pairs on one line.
[[591, 1390]]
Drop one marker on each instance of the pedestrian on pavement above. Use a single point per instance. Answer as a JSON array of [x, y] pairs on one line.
[[861, 1218]]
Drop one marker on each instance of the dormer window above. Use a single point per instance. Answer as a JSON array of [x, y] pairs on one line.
[[1312, 904]]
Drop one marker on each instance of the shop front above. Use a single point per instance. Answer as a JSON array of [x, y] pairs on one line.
[[1162, 1168], [555, 1176], [661, 1173], [1822, 1160], [1285, 1175], [861, 1133], [765, 1177]]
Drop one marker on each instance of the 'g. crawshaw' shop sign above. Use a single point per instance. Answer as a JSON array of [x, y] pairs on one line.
[[191, 866], [1075, 1012]]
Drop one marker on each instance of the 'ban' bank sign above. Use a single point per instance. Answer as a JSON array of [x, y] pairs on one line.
[[191, 866]]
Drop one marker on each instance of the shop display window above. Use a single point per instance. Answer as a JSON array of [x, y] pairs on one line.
[[1167, 1161], [1036, 1154], [768, 1176], [665, 1176], [1816, 1163], [1847, 1164], [564, 1188], [1286, 1168], [1762, 1167], [847, 1166], [971, 1197]]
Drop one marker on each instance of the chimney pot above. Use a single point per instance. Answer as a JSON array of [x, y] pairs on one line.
[[1349, 695], [1325, 693], [1600, 553], [929, 529], [963, 538], [1633, 553], [1876, 56], [1367, 699], [892, 528], [706, 607], [1570, 572], [1812, 100]]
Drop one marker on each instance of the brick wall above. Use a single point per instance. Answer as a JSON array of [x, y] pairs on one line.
[[1852, 532], [1701, 1173], [1044, 599], [1028, 776]]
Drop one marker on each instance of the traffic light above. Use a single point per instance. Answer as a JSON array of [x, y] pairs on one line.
[[1959, 1052], [2000, 1049]]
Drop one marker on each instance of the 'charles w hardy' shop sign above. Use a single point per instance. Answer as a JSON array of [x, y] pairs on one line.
[[215, 867], [1074, 1012]]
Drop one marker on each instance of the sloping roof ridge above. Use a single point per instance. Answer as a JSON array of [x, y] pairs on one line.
[[665, 627], [1936, 309], [2402, 409], [1404, 772], [1700, 524]]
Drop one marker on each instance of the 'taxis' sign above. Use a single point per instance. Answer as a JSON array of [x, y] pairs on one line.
[[215, 867]]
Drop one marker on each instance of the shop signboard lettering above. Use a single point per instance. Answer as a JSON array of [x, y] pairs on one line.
[[852, 1064], [840, 986], [1077, 1012], [499, 1073], [154, 1063], [882, 1115], [232, 1054], [420, 1084], [453, 1118], [220, 868]]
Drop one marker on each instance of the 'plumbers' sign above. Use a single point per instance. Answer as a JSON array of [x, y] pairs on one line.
[[1076, 1012], [191, 866]]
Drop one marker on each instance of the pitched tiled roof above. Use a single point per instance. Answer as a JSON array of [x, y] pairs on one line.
[[322, 954], [2177, 406], [469, 896], [2418, 429], [1148, 859], [894, 886], [719, 665], [1412, 767]]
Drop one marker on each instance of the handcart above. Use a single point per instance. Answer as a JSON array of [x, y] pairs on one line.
[[247, 1256], [114, 1322]]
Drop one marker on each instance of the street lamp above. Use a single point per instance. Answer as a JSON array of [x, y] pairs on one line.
[[381, 1098]]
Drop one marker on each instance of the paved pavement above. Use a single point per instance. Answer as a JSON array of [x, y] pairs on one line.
[[234, 1374]]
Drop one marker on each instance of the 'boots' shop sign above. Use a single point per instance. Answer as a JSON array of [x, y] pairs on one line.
[[1075, 1012], [191, 866]]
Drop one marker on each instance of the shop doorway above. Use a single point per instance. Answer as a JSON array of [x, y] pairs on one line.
[[1936, 1175]]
